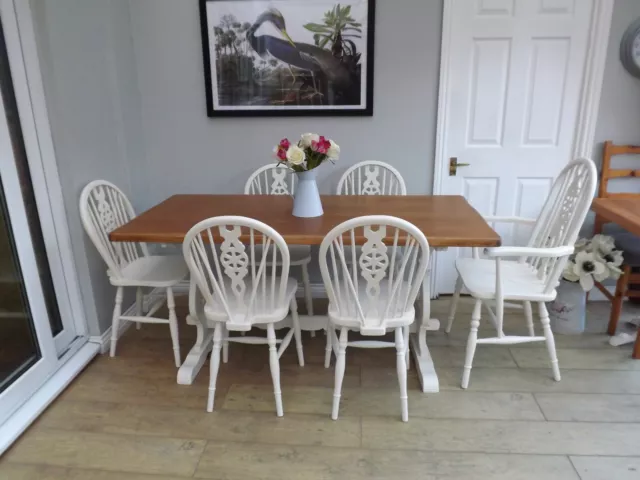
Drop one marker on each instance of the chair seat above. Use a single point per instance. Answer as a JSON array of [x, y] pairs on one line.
[[373, 312], [263, 309], [298, 254], [153, 271], [519, 280]]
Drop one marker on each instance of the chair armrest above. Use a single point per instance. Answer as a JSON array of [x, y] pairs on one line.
[[497, 252], [522, 220]]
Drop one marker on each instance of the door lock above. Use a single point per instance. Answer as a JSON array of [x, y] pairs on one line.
[[453, 166]]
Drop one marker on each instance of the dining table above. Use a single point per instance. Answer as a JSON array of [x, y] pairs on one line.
[[446, 220], [625, 212]]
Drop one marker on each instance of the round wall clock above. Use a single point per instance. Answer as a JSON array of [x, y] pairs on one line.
[[630, 49]]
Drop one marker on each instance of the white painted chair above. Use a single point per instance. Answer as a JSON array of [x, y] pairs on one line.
[[371, 178], [534, 276], [243, 288], [276, 179], [103, 208], [375, 291]]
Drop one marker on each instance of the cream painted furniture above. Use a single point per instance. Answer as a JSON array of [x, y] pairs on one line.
[[534, 276], [375, 291], [104, 208], [241, 287], [371, 178], [278, 180], [446, 221]]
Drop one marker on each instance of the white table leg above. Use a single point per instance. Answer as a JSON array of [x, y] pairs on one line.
[[198, 353], [424, 363]]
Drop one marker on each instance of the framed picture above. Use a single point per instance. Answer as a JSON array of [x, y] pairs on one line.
[[288, 57]]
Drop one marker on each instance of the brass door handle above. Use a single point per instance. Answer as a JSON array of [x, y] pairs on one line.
[[453, 166]]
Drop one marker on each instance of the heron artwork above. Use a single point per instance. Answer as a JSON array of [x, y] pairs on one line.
[[288, 55]]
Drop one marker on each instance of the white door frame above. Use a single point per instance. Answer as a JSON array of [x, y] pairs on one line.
[[36, 129], [589, 95]]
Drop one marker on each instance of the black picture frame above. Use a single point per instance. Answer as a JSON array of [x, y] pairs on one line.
[[296, 110]]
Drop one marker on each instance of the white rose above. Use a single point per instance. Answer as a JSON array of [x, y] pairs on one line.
[[307, 138], [295, 155], [334, 151]]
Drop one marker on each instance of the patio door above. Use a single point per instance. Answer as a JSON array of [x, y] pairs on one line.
[[34, 333], [511, 87]]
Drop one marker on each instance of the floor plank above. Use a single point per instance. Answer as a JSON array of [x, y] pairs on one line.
[[490, 436], [607, 468], [101, 451], [271, 462], [368, 401], [589, 408]]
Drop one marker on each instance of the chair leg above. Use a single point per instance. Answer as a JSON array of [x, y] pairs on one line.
[[402, 373], [407, 356], [115, 322], [636, 346], [307, 289], [618, 299], [139, 306], [551, 344], [528, 315], [339, 376], [215, 365], [329, 346], [173, 326], [454, 303], [274, 365], [471, 343], [225, 344], [296, 331]]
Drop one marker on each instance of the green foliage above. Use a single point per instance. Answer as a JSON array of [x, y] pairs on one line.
[[337, 22]]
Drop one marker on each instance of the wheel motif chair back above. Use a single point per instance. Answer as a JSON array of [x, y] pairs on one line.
[[562, 217], [103, 208], [372, 178], [271, 180], [380, 281], [234, 275]]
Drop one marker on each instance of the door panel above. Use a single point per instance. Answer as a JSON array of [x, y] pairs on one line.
[[513, 85]]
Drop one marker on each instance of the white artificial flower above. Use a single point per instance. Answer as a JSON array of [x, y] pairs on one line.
[[589, 267], [602, 244], [334, 151], [307, 138], [295, 155], [569, 274], [581, 244], [612, 261]]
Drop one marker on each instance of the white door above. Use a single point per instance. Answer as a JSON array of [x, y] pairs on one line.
[[512, 94]]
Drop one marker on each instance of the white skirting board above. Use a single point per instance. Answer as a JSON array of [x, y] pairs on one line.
[[104, 341], [34, 406]]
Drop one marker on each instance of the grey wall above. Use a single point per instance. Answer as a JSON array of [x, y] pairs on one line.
[[188, 152], [619, 112], [125, 90], [88, 70]]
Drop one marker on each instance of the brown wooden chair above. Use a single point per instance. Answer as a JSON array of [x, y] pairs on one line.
[[625, 241]]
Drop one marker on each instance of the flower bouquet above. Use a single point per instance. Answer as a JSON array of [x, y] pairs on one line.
[[593, 261], [311, 151]]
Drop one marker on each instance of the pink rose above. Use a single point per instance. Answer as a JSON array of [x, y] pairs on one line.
[[321, 146], [282, 153], [284, 143]]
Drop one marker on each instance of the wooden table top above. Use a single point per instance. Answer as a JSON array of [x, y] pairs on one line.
[[447, 221], [623, 211]]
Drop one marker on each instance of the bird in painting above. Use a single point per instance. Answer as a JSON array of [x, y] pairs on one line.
[[297, 54]]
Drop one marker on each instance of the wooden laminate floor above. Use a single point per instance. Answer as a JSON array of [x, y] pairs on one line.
[[126, 419]]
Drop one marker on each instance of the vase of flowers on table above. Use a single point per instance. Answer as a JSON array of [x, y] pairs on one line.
[[593, 261], [303, 158]]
